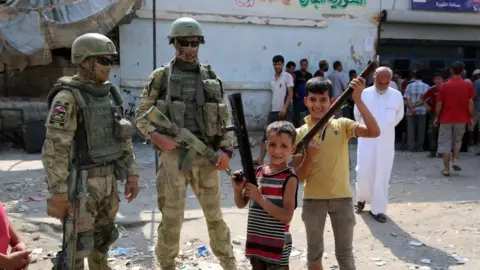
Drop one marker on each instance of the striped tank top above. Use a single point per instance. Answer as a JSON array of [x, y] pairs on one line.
[[268, 239]]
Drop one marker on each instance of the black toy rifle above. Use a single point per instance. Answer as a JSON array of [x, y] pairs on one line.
[[240, 128]]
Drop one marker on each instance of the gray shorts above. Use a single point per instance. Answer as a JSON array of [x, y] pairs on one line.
[[342, 217], [450, 135]]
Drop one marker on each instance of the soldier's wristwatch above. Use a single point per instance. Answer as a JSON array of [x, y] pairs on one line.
[[228, 151]]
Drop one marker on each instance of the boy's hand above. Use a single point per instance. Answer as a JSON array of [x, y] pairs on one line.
[[312, 149], [20, 246], [238, 186], [17, 260], [358, 84], [253, 192]]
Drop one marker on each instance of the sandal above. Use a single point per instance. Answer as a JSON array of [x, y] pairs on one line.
[[456, 168], [379, 217], [359, 206], [445, 173]]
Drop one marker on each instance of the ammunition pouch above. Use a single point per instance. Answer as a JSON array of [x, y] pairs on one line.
[[178, 113], [213, 90], [214, 117]]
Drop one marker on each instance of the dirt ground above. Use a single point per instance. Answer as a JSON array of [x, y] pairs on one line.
[[433, 221]]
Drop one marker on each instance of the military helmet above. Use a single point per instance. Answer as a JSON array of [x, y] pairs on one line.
[[91, 44], [185, 27]]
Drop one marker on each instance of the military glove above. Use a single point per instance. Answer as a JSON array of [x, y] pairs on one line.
[[58, 206], [131, 187]]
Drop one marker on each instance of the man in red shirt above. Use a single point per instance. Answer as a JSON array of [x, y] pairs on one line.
[[430, 101], [454, 109]]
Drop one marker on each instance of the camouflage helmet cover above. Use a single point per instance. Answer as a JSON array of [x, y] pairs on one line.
[[185, 27], [91, 44]]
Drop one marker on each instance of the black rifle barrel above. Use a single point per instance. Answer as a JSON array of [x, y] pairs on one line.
[[240, 128], [322, 123]]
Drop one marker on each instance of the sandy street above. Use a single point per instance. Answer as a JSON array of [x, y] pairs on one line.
[[434, 222]]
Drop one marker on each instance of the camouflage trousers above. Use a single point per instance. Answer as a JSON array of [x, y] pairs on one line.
[[172, 185], [97, 230]]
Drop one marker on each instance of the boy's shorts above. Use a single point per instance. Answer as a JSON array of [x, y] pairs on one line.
[[261, 265], [450, 135]]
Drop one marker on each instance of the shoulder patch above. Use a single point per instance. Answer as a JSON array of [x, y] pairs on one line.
[[58, 113]]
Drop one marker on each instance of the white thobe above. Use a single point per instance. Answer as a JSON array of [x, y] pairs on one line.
[[375, 155]]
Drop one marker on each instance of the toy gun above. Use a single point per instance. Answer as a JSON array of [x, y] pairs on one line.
[[240, 128], [322, 123]]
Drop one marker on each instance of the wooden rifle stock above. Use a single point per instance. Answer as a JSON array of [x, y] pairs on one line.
[[322, 123]]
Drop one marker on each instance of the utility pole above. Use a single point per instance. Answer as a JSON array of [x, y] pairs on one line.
[[154, 36]]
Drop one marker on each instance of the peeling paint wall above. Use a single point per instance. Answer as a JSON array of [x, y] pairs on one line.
[[242, 36]]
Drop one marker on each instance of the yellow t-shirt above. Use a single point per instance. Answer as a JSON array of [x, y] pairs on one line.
[[329, 177]]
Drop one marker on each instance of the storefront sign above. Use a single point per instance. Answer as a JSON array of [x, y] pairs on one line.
[[452, 5]]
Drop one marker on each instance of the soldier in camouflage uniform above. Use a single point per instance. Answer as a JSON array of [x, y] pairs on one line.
[[191, 95], [86, 111]]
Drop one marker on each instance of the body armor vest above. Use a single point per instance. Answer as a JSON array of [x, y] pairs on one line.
[[194, 100], [96, 142]]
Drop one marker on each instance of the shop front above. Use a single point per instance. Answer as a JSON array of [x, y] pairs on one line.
[[430, 37]]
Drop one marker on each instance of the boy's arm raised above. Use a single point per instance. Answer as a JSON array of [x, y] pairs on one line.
[[370, 129]]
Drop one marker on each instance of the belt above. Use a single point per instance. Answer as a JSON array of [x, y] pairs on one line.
[[100, 171]]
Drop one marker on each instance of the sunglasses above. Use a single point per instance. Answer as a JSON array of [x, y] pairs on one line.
[[104, 61], [186, 43]]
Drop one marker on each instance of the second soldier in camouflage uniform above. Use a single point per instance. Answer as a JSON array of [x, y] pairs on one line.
[[86, 110], [191, 95]]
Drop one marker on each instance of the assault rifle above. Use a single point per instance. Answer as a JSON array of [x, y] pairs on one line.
[[77, 196], [322, 123], [183, 136], [240, 128]]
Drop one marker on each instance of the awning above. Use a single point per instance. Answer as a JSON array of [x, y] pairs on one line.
[[28, 32], [423, 25]]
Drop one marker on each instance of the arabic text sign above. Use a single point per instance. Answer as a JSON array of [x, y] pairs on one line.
[[451, 5], [301, 5]]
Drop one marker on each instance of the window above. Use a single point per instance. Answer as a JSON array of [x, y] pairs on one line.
[[115, 37]]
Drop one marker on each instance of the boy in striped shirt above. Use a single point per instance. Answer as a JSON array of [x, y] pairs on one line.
[[272, 203]]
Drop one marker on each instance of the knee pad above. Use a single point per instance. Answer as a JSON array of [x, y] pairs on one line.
[[84, 244], [106, 237]]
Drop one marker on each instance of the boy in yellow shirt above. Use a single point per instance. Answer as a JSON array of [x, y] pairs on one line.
[[326, 172]]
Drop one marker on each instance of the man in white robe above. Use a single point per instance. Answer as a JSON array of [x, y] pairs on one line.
[[375, 156]]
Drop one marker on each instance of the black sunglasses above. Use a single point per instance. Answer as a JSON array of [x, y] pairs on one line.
[[104, 61], [186, 43]]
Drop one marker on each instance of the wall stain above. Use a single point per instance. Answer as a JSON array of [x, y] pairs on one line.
[[358, 59]]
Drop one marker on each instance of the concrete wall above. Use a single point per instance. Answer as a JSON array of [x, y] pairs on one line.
[[242, 36]]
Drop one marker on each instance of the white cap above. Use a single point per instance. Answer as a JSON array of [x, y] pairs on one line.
[[476, 72]]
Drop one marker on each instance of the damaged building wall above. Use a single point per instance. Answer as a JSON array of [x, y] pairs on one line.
[[242, 36]]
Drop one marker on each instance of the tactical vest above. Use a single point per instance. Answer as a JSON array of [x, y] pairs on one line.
[[194, 100], [96, 142]]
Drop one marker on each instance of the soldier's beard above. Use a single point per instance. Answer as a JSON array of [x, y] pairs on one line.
[[100, 74], [187, 54]]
